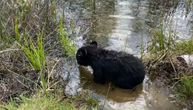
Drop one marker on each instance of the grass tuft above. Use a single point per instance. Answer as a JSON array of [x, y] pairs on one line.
[[184, 47], [67, 44], [185, 89], [17, 34], [36, 56], [160, 42], [39, 102], [34, 52]]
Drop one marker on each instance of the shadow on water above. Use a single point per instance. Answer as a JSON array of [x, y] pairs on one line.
[[124, 25]]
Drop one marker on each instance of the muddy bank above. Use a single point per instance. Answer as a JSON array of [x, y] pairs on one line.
[[166, 73]]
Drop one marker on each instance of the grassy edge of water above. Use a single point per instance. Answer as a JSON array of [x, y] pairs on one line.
[[32, 45], [52, 101], [163, 47]]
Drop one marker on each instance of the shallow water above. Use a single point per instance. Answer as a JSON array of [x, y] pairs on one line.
[[123, 25], [145, 96]]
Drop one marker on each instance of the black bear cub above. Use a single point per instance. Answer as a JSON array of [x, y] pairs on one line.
[[119, 68]]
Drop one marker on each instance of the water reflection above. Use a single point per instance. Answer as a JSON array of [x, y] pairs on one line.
[[101, 24], [120, 26], [129, 30]]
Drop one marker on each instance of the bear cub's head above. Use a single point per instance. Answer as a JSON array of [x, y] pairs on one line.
[[83, 54]]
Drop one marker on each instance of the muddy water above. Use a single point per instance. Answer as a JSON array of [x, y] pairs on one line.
[[122, 29], [145, 96], [123, 25]]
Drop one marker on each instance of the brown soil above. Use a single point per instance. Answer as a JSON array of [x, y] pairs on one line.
[[166, 73], [16, 77]]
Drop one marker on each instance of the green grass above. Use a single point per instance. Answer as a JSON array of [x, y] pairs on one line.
[[52, 101], [39, 102], [157, 41], [185, 88], [184, 47], [17, 33], [34, 52], [67, 44], [160, 42], [36, 56]]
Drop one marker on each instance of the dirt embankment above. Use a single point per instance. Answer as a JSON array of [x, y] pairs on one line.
[[167, 72]]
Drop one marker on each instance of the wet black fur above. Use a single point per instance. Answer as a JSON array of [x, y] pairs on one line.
[[122, 69]]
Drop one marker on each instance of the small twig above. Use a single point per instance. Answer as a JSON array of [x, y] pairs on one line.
[[175, 83], [51, 72], [173, 66], [160, 58], [22, 76], [23, 83], [179, 79], [54, 84], [106, 96], [8, 50], [155, 61]]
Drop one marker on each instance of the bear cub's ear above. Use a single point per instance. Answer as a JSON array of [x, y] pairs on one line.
[[94, 43], [82, 52]]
